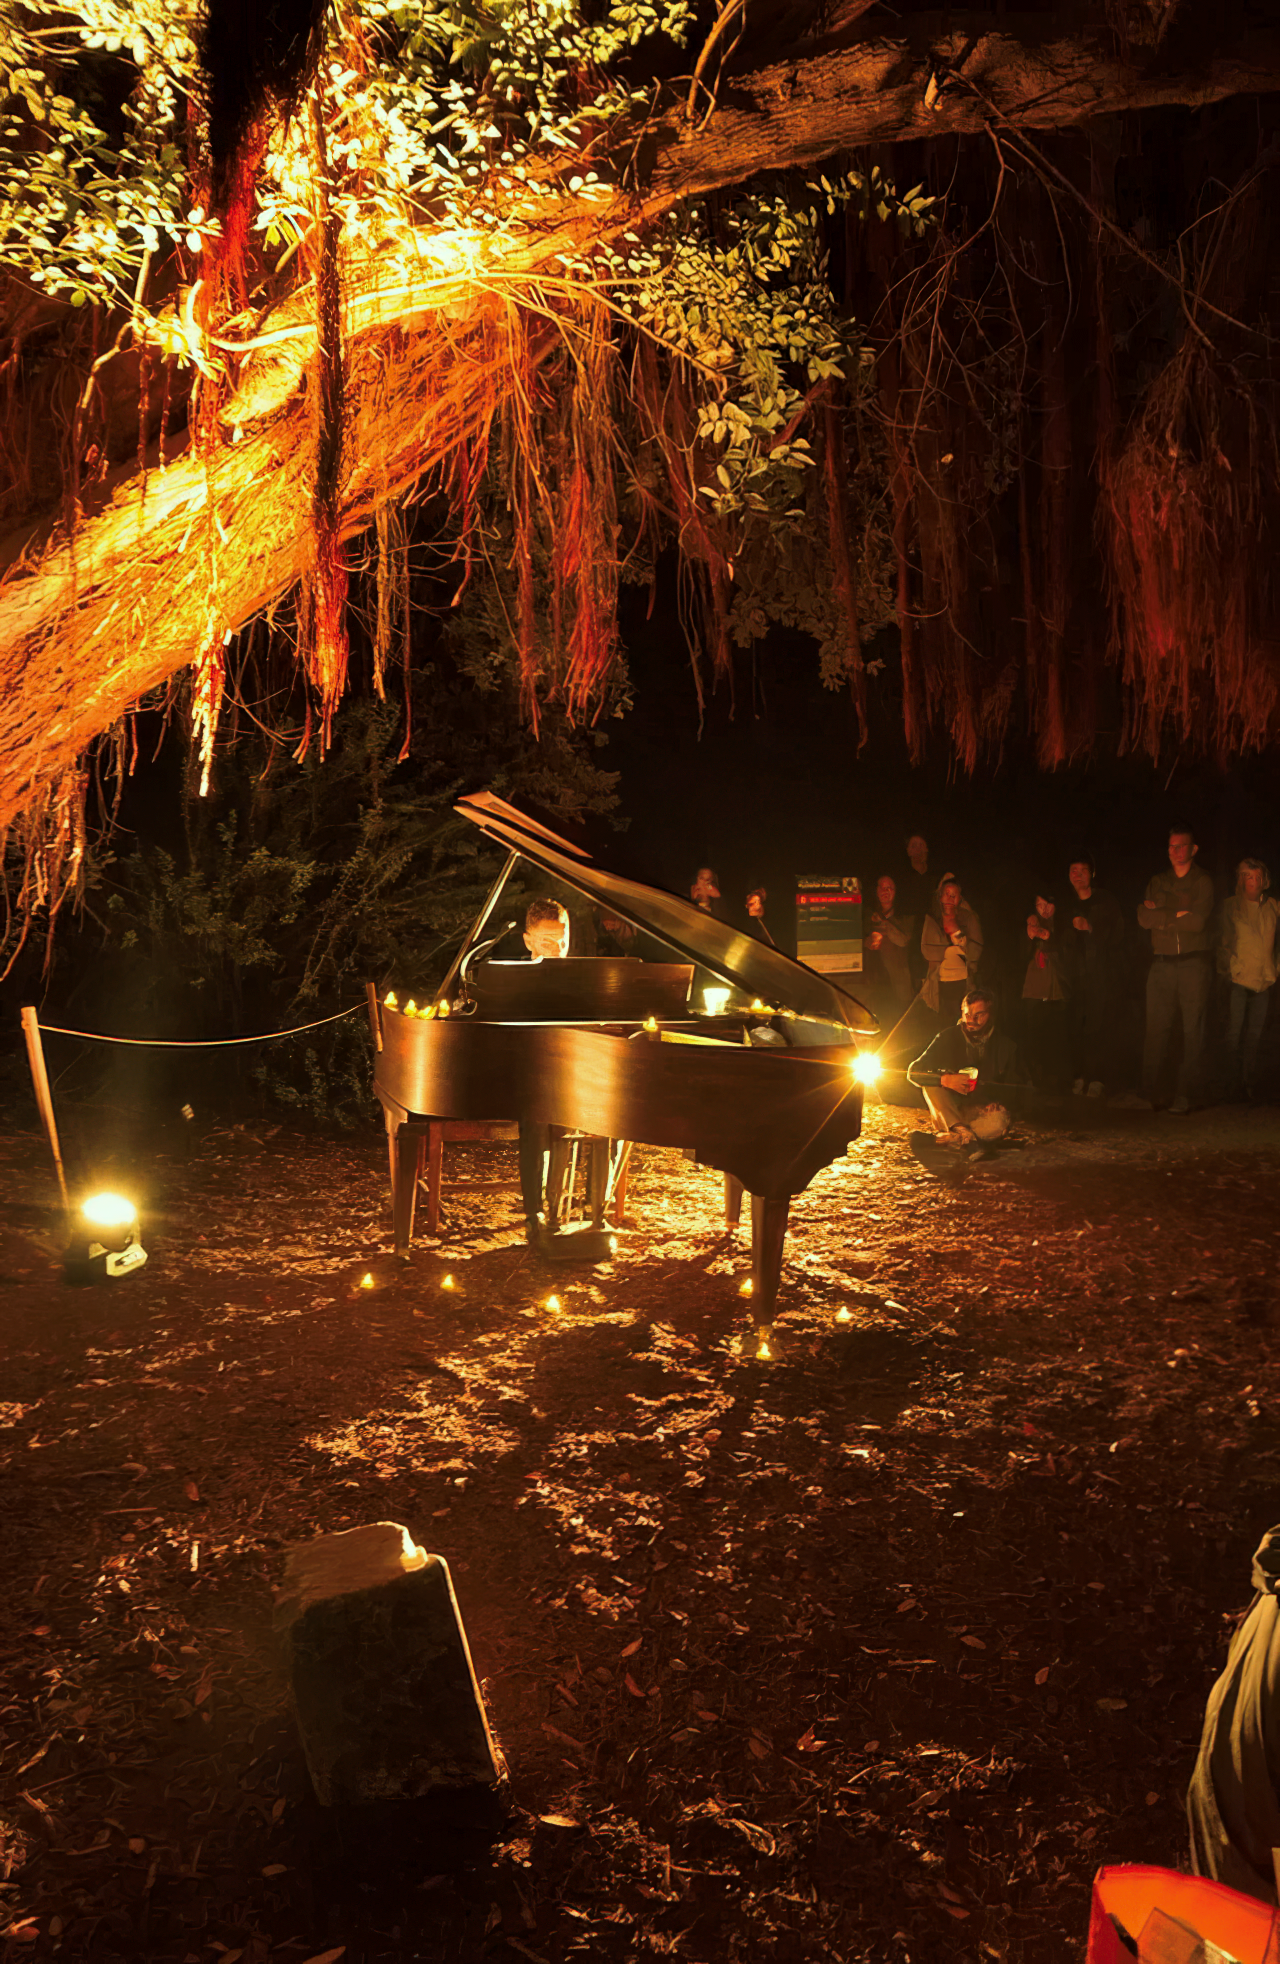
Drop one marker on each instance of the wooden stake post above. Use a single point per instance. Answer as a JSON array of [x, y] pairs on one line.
[[44, 1096]]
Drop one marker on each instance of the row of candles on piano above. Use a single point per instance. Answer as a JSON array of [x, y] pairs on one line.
[[865, 1065], [715, 1002], [428, 1010]]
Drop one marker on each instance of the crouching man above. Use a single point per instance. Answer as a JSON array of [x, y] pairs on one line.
[[958, 1073]]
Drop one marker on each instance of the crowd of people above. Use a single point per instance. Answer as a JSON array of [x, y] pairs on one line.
[[1159, 1005], [1076, 998], [1162, 1005]]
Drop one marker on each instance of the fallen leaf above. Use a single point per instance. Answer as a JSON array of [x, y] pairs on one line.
[[136, 1844], [274, 1868], [633, 1687], [974, 1643], [908, 1602], [278, 1808], [327, 1956], [534, 1956], [1152, 1799], [192, 1490], [757, 1746], [559, 1821], [1113, 1704], [1042, 1676], [806, 1743], [632, 1648], [700, 1711]]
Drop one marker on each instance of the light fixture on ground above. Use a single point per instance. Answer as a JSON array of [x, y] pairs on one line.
[[104, 1242]]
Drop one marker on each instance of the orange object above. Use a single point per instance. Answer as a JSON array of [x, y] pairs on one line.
[[1245, 1928]]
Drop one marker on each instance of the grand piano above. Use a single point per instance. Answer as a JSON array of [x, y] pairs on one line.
[[731, 1051]]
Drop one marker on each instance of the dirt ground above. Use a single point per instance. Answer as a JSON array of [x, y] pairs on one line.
[[874, 1652]]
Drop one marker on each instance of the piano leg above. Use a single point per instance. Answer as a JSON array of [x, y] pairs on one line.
[[535, 1144], [732, 1200], [435, 1173], [768, 1233], [406, 1166], [619, 1167]]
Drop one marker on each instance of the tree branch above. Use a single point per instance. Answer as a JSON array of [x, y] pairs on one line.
[[113, 614]]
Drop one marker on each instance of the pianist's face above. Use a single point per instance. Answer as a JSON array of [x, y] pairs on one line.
[[548, 941]]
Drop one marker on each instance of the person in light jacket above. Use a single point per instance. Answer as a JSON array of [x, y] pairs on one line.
[[1247, 958], [951, 943]]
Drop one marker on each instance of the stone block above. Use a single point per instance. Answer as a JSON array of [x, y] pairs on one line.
[[383, 1686]]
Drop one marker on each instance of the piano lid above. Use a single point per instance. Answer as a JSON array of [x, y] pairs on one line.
[[759, 970]]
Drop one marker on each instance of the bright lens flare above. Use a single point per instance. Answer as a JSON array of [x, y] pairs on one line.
[[109, 1210], [866, 1067]]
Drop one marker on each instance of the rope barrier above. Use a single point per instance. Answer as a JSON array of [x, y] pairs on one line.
[[199, 1043]]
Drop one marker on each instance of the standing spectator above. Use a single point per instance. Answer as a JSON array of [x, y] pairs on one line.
[[1094, 945], [1176, 914], [1045, 990], [757, 926], [1247, 957], [614, 936], [704, 891], [951, 944], [915, 888], [889, 953]]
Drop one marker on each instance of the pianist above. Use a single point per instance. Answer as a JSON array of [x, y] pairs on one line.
[[546, 931]]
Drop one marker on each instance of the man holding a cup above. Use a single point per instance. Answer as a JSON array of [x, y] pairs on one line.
[[958, 1073]]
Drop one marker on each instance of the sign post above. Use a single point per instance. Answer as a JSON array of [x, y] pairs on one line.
[[44, 1096]]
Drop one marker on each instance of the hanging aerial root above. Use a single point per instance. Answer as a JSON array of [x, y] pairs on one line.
[[1191, 600], [835, 474], [206, 709], [326, 645], [585, 557]]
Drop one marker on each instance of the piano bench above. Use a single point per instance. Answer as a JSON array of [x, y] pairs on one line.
[[606, 1177], [440, 1132]]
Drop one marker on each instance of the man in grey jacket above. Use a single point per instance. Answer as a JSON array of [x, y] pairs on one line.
[[1176, 912]]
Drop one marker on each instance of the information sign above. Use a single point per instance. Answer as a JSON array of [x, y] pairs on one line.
[[829, 924]]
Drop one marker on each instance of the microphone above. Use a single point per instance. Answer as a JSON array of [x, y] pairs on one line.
[[474, 954]]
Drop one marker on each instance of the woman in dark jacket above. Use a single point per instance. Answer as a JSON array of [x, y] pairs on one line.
[[1045, 990]]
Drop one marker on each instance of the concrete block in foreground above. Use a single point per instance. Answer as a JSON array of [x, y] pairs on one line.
[[383, 1687]]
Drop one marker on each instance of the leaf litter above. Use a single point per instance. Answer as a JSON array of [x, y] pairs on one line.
[[970, 1548]]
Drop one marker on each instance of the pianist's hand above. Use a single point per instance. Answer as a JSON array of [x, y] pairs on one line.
[[950, 1082]]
